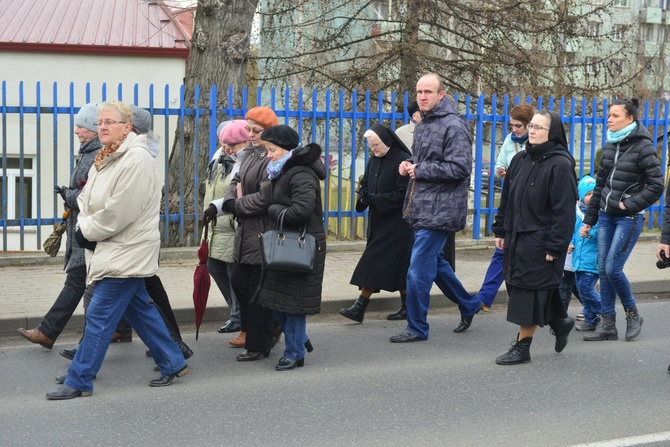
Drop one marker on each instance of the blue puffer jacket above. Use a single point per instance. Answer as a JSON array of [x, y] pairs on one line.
[[437, 199], [585, 253]]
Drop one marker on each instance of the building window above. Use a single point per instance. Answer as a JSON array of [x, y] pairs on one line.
[[17, 189], [618, 32], [594, 29], [648, 68], [660, 36], [381, 10], [590, 67], [380, 13], [647, 32], [620, 3]]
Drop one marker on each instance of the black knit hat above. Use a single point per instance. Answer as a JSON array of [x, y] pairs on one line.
[[412, 108], [283, 136]]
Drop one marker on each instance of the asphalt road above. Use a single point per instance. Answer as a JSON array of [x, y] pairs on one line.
[[357, 389]]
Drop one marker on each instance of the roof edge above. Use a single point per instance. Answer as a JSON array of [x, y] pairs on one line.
[[94, 49]]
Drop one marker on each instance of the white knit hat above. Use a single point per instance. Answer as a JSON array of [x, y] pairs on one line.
[[87, 116]]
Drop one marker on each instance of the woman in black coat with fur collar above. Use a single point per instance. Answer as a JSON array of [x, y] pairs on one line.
[[296, 173]]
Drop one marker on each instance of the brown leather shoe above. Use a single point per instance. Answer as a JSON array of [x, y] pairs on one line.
[[239, 341], [36, 336], [118, 337]]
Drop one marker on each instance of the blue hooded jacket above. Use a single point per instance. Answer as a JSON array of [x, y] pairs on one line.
[[585, 253]]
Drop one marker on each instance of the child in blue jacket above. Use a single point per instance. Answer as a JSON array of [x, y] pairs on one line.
[[585, 259]]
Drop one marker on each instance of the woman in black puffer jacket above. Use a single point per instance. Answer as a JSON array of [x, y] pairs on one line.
[[296, 173], [629, 180]]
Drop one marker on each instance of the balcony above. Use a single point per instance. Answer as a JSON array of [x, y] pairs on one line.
[[651, 15], [650, 49]]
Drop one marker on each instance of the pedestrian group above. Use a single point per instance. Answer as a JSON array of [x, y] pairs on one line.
[[415, 188]]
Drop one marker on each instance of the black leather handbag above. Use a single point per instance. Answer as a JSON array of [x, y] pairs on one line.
[[288, 251]]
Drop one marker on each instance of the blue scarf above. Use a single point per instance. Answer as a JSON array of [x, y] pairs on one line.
[[275, 167], [615, 137], [518, 140]]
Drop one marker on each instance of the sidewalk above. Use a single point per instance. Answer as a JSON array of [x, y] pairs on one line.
[[30, 282]]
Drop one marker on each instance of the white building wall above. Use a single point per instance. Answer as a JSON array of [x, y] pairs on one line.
[[119, 73]]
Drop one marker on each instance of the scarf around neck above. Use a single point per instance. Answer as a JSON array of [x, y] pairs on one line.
[[615, 137], [275, 167], [106, 151], [518, 140]]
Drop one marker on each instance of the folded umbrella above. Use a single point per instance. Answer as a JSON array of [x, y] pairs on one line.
[[201, 283]]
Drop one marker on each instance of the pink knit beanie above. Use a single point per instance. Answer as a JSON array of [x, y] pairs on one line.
[[234, 132]]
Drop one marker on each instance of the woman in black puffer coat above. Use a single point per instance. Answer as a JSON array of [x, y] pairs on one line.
[[629, 180], [295, 173]]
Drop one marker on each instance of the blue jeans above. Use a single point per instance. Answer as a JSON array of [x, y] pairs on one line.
[[586, 283], [295, 337], [427, 265], [493, 279], [112, 299], [617, 236]]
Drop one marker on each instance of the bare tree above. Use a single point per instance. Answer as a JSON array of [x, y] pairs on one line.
[[484, 46], [219, 55]]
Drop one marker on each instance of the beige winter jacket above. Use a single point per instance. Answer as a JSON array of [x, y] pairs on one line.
[[222, 235], [119, 209]]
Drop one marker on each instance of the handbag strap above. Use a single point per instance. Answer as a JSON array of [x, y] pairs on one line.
[[280, 224]]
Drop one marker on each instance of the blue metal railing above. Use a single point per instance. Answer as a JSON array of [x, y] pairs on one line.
[[333, 119]]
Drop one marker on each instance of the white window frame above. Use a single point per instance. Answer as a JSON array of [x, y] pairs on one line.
[[618, 32], [29, 176]]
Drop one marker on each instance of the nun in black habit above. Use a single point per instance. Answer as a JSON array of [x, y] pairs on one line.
[[384, 263], [533, 227]]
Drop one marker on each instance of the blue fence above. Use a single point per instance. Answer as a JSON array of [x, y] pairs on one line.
[[39, 148]]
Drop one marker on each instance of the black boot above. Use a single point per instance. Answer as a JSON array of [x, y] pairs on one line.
[[401, 314], [357, 311], [518, 353], [606, 329], [185, 350], [633, 323], [561, 329]]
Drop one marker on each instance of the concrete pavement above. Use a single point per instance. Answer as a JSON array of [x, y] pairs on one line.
[[30, 282]]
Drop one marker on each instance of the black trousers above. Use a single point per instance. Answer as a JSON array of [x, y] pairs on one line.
[[160, 298], [67, 301], [257, 321], [449, 250]]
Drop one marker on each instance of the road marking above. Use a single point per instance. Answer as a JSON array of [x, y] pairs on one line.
[[627, 442]]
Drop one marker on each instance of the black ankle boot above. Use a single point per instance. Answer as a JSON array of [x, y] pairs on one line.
[[185, 350], [518, 353], [401, 314], [561, 329], [357, 311]]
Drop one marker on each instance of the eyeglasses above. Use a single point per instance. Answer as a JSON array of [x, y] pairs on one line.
[[254, 131], [108, 123], [515, 126], [532, 126]]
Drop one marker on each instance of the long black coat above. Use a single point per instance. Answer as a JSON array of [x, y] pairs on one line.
[[536, 217], [298, 189], [385, 261]]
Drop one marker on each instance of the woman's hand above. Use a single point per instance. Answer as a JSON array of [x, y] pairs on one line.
[[549, 258], [622, 206], [500, 243], [570, 248]]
